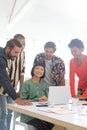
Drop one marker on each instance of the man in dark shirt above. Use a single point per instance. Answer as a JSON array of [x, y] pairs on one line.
[[11, 51]]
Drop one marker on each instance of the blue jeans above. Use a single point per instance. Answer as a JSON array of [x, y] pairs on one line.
[[5, 115]]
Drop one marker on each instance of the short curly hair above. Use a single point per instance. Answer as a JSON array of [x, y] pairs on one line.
[[76, 43], [19, 36], [50, 44], [12, 43]]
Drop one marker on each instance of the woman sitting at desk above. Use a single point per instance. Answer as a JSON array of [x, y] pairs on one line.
[[35, 90]]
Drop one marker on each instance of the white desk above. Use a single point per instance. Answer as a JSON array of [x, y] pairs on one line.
[[73, 121]]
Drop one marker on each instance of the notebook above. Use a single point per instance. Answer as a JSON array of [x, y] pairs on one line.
[[59, 95]]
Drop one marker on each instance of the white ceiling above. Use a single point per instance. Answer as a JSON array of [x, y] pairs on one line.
[[44, 19], [9, 10]]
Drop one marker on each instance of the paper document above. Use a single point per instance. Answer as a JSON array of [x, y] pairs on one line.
[[57, 111], [62, 111]]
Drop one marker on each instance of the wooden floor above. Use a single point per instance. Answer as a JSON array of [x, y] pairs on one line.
[[59, 128]]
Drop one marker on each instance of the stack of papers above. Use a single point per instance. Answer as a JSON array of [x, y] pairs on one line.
[[62, 111], [57, 111]]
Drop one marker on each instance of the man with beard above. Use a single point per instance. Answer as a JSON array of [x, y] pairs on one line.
[[11, 51]]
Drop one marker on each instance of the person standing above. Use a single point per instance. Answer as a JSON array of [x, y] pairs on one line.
[[54, 66], [78, 66], [11, 51], [16, 68]]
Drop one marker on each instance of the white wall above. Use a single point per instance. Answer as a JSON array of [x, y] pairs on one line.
[[43, 20], [34, 46]]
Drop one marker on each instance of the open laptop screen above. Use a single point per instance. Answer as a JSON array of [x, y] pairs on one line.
[[59, 95]]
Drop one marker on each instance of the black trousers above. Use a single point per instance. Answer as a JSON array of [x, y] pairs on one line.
[[40, 124]]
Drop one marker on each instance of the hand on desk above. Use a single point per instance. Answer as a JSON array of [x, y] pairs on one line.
[[76, 96], [42, 99], [18, 94], [22, 102], [80, 97]]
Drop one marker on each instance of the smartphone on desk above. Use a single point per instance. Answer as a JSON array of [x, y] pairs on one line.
[[84, 104], [42, 105]]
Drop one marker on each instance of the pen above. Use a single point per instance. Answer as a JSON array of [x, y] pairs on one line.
[[42, 110]]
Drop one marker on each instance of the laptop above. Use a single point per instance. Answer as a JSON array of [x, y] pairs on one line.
[[59, 95]]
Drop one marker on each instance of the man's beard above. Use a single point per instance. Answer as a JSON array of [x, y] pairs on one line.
[[10, 57]]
